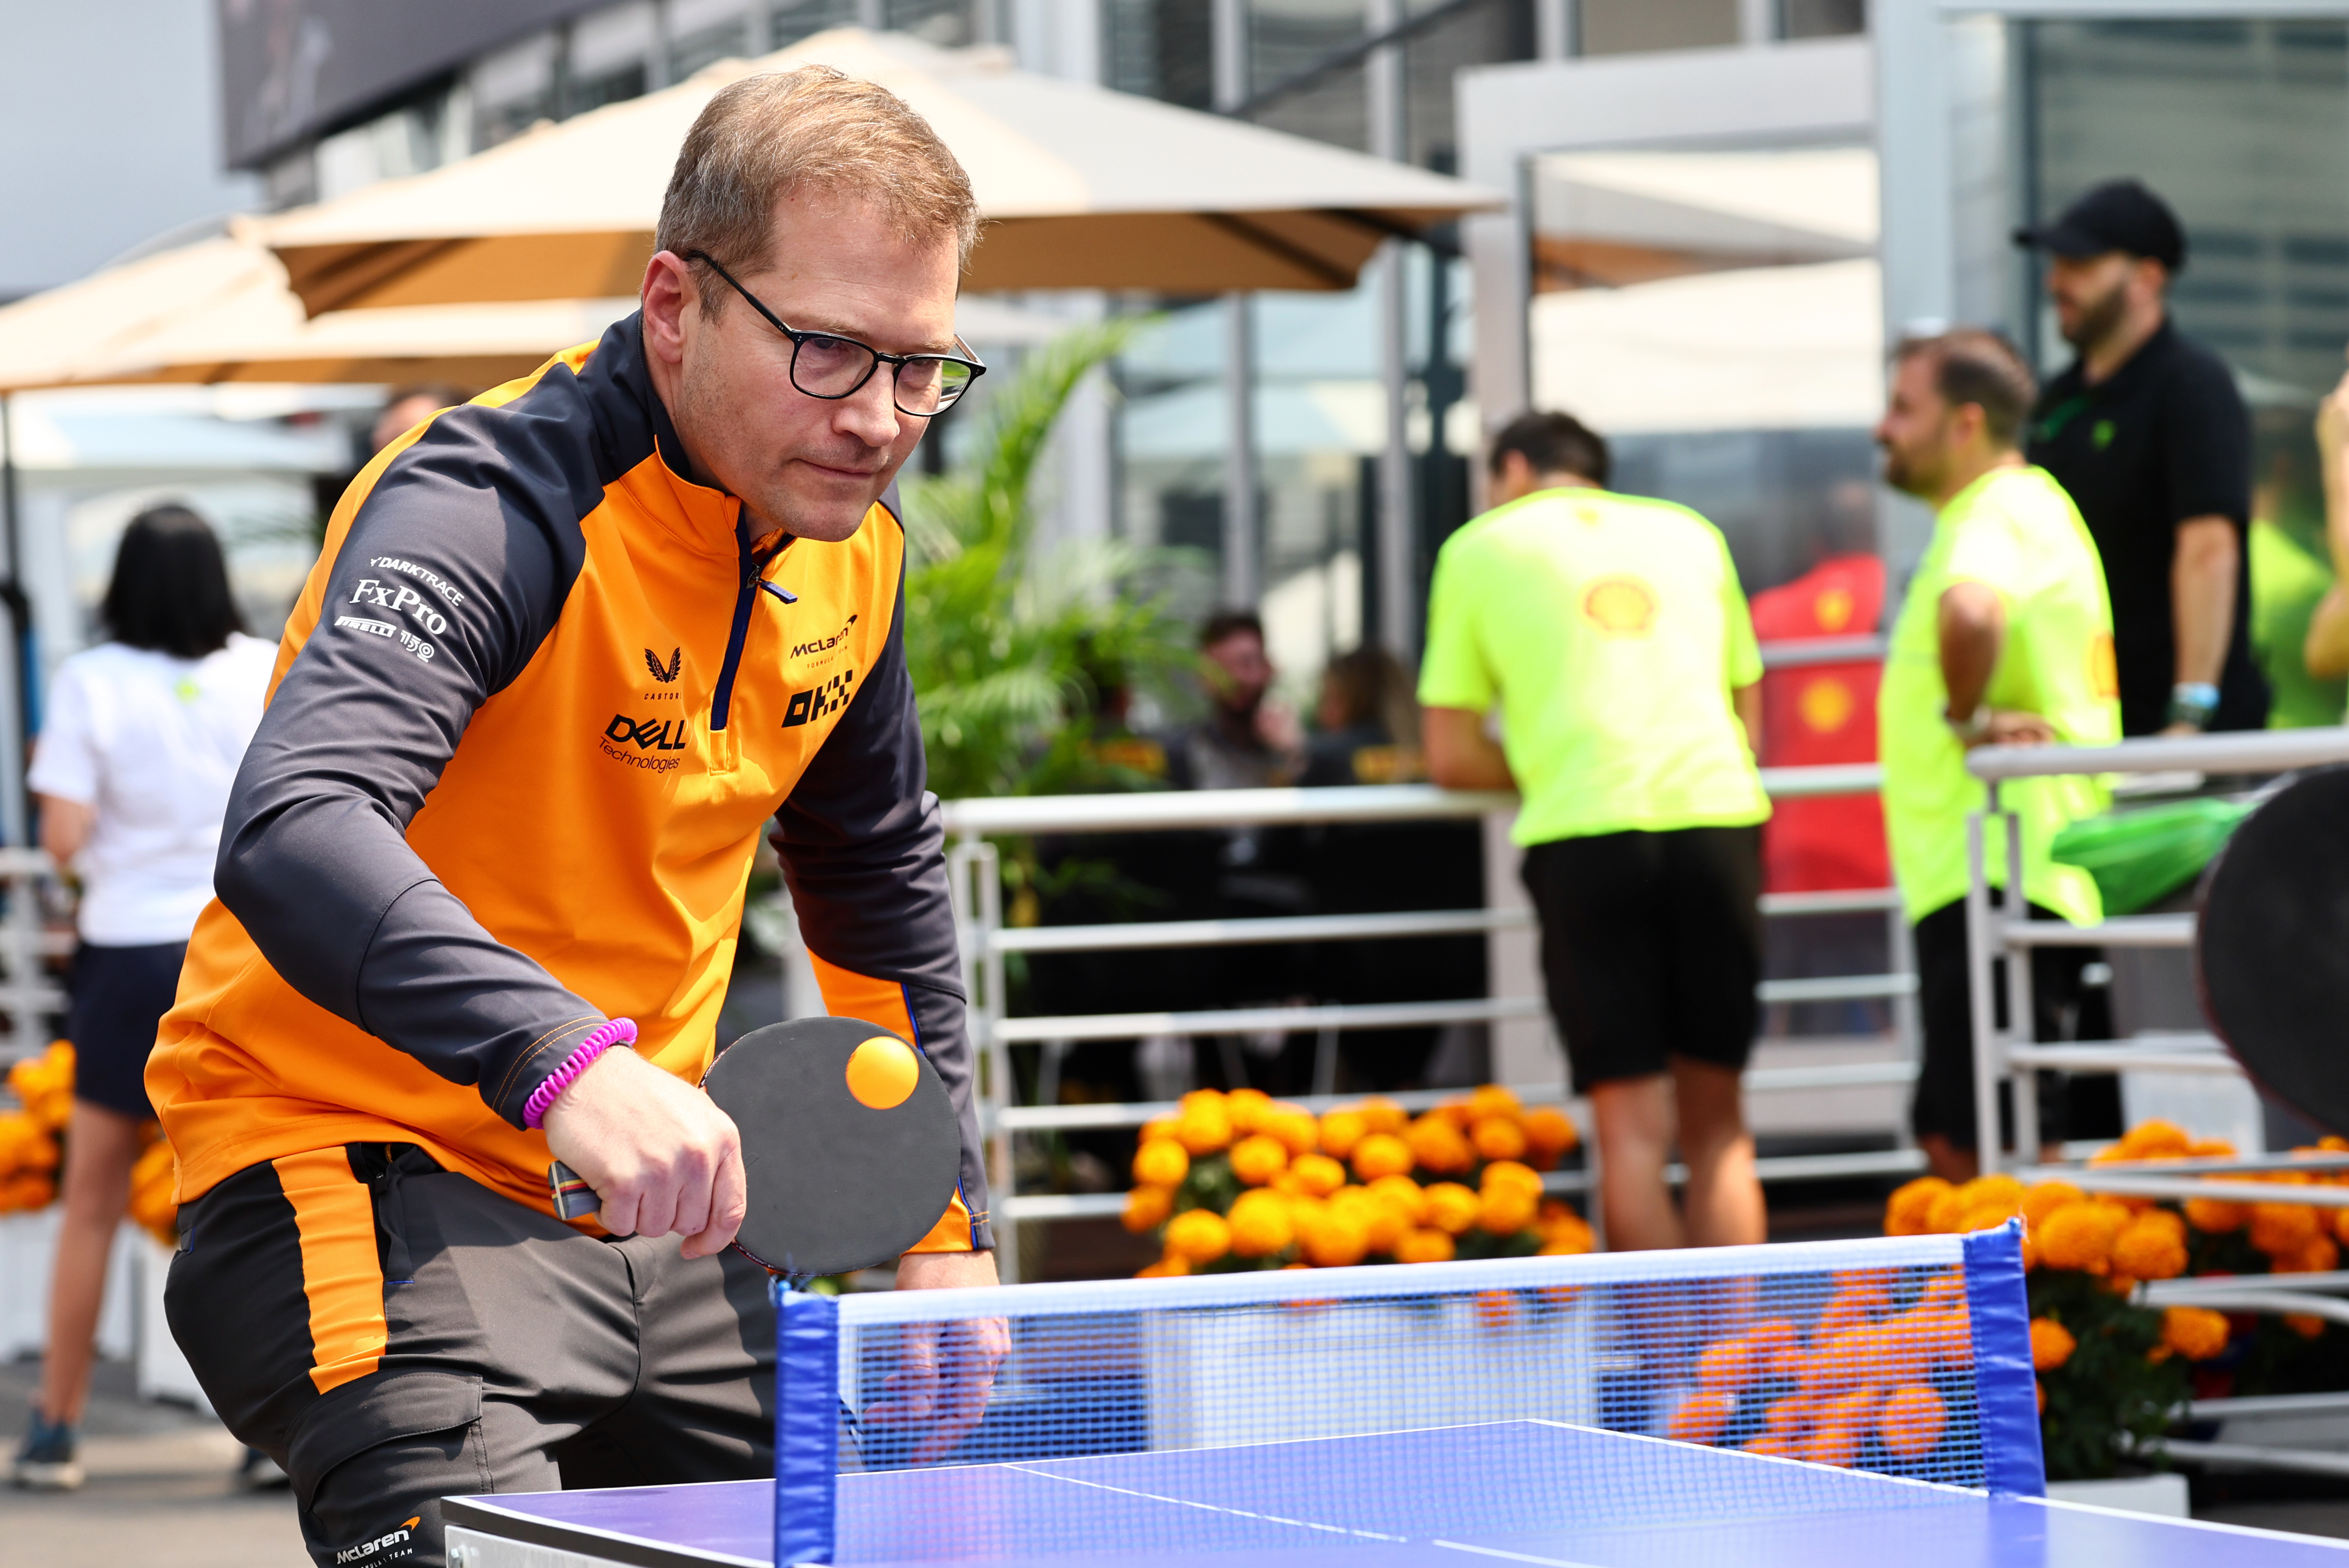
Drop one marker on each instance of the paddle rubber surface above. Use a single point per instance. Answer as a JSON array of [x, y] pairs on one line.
[[2271, 946]]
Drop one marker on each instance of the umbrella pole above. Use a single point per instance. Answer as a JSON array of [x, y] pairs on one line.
[[17, 710]]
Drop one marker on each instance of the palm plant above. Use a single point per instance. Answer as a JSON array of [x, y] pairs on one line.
[[1009, 647]]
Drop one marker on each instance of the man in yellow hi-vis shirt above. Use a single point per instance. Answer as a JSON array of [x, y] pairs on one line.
[[1612, 633], [2005, 638]]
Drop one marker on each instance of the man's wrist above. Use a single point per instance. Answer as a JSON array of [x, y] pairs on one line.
[[1969, 728], [2194, 703], [585, 1054]]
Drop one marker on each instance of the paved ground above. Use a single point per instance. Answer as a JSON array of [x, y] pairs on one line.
[[159, 1492]]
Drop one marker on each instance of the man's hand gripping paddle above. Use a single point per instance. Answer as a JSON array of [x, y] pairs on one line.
[[850, 1149], [2271, 946]]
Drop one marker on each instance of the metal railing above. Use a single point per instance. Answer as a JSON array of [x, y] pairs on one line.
[[1996, 937], [28, 994], [987, 941]]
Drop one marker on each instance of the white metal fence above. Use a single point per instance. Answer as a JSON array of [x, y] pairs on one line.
[[28, 993], [987, 941], [2005, 937]]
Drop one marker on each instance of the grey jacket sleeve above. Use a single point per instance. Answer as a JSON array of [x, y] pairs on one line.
[[863, 850], [443, 587]]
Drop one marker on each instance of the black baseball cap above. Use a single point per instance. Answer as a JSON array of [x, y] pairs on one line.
[[2118, 215]]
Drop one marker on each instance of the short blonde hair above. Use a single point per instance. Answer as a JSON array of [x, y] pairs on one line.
[[813, 128]]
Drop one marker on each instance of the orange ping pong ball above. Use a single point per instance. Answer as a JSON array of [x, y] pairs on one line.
[[882, 1072]]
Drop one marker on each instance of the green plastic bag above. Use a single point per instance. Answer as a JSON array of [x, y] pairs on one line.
[[2141, 856]]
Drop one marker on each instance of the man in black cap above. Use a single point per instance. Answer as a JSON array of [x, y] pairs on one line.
[[2148, 433]]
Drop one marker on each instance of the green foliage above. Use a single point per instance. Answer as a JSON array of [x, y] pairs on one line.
[[1005, 645], [2110, 1395]]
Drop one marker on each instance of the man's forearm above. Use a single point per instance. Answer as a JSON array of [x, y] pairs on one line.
[[1971, 625], [2202, 597]]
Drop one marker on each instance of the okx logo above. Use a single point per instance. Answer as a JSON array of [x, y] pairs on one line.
[[648, 735], [391, 1545], [814, 703]]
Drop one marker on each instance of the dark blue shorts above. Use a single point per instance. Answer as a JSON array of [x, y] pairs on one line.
[[119, 995]]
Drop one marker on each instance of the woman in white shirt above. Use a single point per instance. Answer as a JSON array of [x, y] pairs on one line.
[[137, 748]]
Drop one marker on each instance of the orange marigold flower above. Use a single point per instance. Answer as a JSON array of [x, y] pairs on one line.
[[1198, 1236], [1454, 1207], [1204, 1127], [1424, 1247], [1550, 1136], [1725, 1367], [1317, 1175], [2316, 1256], [2151, 1247], [1257, 1159], [1333, 1238], [1947, 1217], [1405, 1194], [1438, 1145], [1909, 1211], [1506, 1210], [1261, 1224], [2155, 1139], [1146, 1208], [2282, 1228], [2051, 1344], [2081, 1236], [1161, 1162], [2214, 1218], [2046, 1196], [1497, 1138], [1492, 1100], [1293, 1125], [1378, 1155], [2306, 1324], [1700, 1418], [1912, 1421], [1510, 1173], [1341, 1130], [1382, 1115], [2196, 1334], [1246, 1108]]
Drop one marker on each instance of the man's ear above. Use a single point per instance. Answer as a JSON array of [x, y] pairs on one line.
[[670, 291]]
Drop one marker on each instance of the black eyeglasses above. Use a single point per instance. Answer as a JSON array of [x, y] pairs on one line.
[[826, 364]]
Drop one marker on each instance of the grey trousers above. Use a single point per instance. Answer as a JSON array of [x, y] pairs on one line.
[[393, 1333]]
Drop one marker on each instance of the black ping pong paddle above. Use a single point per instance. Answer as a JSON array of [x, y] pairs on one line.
[[849, 1146], [2271, 946]]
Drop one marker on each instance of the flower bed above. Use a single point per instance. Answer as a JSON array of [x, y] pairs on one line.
[[1240, 1180], [32, 1147], [2112, 1371]]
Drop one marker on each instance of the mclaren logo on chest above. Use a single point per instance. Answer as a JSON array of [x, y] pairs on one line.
[[816, 702], [822, 644]]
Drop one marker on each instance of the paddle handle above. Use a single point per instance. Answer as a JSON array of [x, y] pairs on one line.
[[573, 1198]]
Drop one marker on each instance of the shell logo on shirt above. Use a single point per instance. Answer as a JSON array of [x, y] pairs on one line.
[[2103, 668], [1826, 704], [1620, 606], [1832, 609]]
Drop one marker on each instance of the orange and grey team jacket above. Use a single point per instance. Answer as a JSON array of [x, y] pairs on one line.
[[540, 695]]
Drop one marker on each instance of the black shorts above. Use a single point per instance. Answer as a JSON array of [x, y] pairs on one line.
[[119, 995], [1652, 947], [393, 1333], [2062, 1008]]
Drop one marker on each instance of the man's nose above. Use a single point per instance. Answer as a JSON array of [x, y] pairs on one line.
[[870, 413]]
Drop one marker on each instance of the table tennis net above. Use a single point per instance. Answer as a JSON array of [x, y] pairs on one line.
[[1907, 1356]]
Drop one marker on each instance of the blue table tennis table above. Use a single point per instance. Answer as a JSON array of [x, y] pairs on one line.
[[1510, 1492]]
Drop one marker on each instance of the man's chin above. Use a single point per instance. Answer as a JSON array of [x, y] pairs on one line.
[[828, 517]]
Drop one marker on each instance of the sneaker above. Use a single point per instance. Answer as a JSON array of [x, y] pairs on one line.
[[259, 1473], [46, 1462]]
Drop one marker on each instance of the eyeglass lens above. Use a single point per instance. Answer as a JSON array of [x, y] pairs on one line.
[[835, 367]]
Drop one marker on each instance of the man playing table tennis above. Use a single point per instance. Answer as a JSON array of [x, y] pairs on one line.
[[568, 649]]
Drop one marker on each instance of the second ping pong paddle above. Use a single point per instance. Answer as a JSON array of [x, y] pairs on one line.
[[2271, 946], [850, 1149]]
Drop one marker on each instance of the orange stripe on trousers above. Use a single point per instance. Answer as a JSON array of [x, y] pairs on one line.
[[335, 1218], [847, 994]]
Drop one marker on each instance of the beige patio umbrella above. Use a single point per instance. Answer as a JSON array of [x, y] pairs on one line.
[[1081, 187], [219, 310]]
